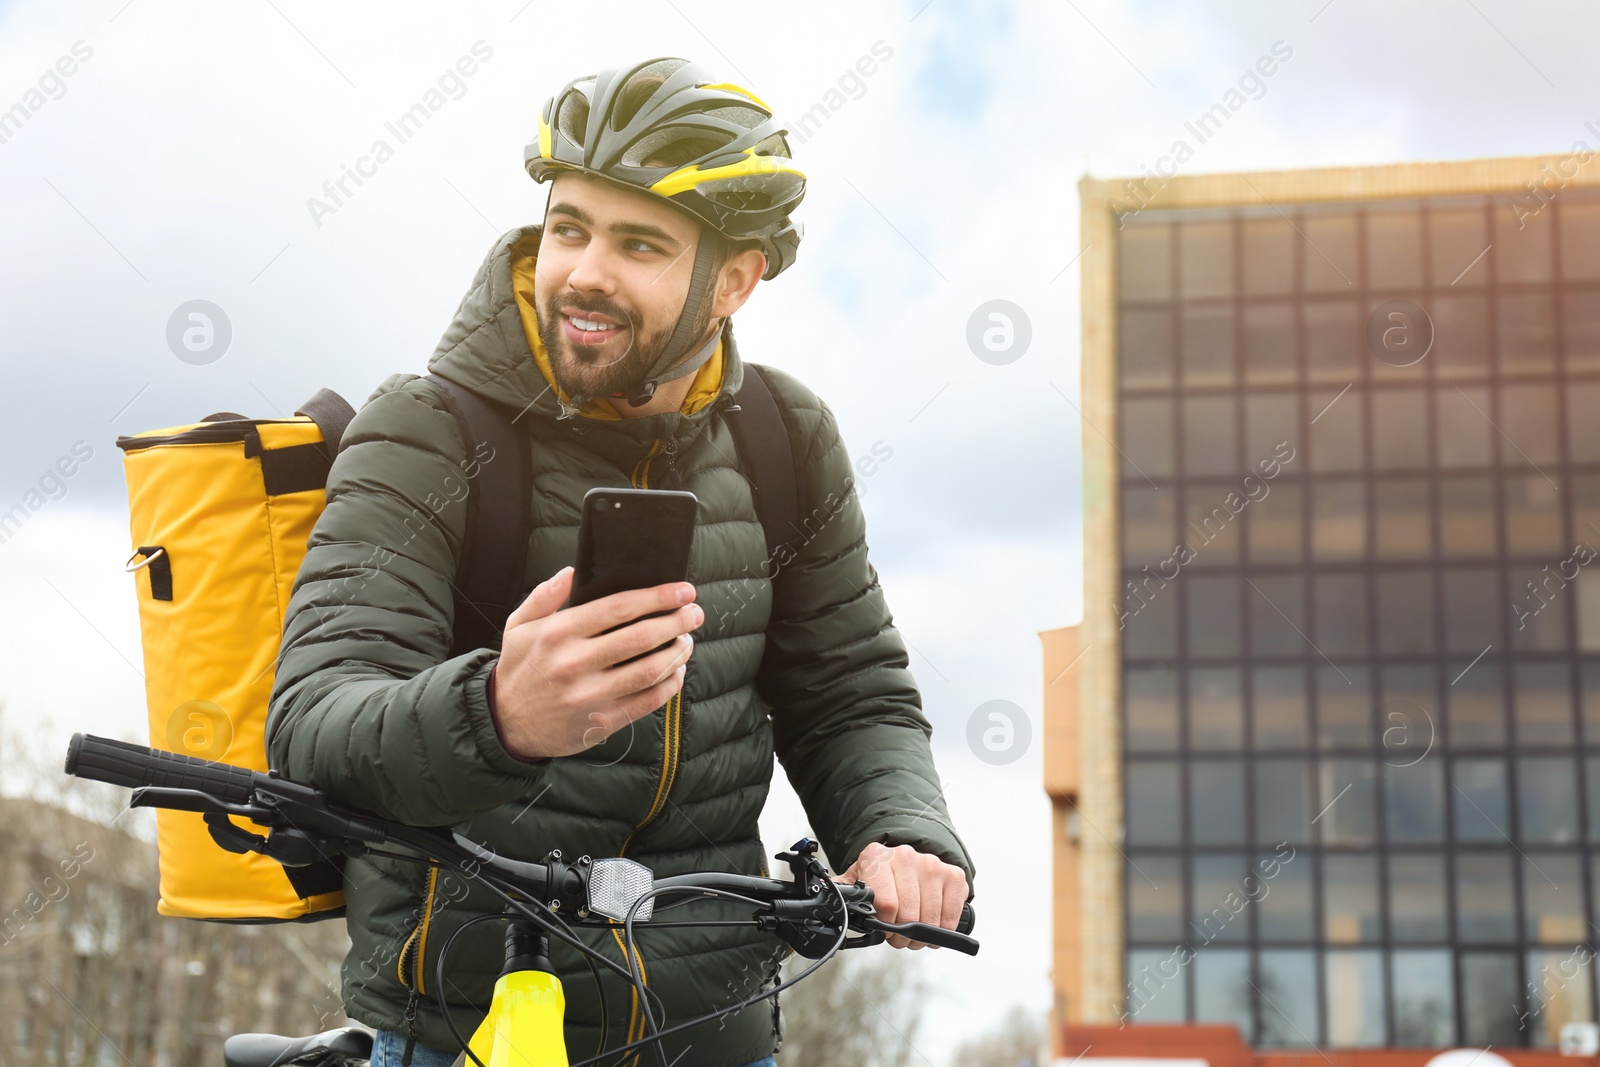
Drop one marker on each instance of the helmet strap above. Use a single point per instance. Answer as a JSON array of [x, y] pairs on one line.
[[683, 332]]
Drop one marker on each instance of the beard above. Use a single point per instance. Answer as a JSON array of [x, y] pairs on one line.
[[620, 364]]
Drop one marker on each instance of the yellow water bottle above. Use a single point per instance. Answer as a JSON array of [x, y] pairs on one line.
[[525, 1026]]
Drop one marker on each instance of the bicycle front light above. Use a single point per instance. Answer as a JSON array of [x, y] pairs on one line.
[[616, 884]]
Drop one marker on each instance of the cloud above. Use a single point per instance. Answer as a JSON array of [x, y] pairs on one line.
[[178, 164]]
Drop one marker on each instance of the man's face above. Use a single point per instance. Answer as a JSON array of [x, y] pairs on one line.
[[618, 260]]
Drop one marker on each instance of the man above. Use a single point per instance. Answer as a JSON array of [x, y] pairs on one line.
[[606, 327]]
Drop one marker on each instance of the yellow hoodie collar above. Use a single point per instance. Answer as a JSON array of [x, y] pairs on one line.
[[707, 380]]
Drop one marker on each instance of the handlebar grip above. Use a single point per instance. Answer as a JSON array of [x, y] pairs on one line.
[[969, 918], [121, 763]]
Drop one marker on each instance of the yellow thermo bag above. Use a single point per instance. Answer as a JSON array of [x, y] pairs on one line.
[[220, 511]]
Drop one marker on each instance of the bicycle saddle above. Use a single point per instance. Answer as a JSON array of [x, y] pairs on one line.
[[270, 1050]]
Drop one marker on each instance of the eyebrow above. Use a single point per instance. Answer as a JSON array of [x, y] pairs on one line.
[[633, 229]]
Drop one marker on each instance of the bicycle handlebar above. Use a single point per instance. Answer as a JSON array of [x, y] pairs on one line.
[[125, 764], [170, 780]]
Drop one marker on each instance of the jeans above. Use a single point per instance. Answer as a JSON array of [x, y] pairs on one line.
[[388, 1046]]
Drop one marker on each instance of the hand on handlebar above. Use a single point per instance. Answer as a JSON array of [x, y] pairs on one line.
[[558, 689], [910, 886]]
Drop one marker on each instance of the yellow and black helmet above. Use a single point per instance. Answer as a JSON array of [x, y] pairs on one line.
[[709, 147]]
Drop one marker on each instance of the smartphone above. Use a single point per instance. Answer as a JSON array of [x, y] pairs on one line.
[[632, 539]]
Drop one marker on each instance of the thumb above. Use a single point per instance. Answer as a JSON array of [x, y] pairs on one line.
[[544, 599]]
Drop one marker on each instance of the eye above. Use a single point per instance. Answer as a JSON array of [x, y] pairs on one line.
[[642, 245], [564, 229]]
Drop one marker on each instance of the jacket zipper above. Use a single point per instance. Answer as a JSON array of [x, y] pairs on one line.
[[670, 735], [672, 726], [413, 952]]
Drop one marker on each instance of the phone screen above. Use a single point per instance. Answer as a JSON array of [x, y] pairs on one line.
[[632, 539]]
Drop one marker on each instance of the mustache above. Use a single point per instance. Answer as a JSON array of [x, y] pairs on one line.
[[598, 307]]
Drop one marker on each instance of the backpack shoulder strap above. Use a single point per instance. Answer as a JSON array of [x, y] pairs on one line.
[[499, 473], [766, 453]]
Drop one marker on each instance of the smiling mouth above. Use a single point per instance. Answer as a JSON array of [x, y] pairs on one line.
[[589, 330]]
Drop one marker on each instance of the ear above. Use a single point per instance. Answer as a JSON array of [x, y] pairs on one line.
[[737, 280]]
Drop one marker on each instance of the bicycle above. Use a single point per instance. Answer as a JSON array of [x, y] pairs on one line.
[[814, 915]]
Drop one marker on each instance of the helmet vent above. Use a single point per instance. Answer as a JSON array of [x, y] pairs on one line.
[[673, 146], [640, 87], [573, 117], [748, 117]]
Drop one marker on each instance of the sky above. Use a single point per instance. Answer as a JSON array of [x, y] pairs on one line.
[[185, 155]]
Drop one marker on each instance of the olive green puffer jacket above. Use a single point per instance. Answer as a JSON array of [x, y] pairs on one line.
[[369, 706]]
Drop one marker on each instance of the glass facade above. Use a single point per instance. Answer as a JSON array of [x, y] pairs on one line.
[[1359, 512]]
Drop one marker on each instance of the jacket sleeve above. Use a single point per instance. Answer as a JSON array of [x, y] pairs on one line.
[[368, 705], [847, 717]]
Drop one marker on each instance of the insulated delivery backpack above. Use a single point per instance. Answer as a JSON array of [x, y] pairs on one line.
[[220, 512]]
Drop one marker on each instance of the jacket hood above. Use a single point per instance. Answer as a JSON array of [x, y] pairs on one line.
[[493, 348]]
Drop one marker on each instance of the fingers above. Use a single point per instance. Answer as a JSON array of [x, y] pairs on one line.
[[618, 609], [619, 712], [620, 683], [955, 896], [544, 599], [608, 650], [910, 886]]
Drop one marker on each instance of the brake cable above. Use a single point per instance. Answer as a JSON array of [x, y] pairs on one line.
[[844, 930]]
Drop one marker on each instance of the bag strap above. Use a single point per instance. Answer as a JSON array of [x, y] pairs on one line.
[[762, 435], [332, 414], [495, 546]]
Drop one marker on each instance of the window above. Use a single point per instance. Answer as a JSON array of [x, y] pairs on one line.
[[1287, 998], [1147, 437], [1151, 698], [1216, 716], [1279, 699], [1490, 993], [1282, 801], [1356, 998], [1347, 801], [1209, 424], [1145, 347], [1414, 801], [1385, 659], [1222, 988], [1400, 429], [1152, 804], [1155, 898], [1482, 815], [1216, 802], [1350, 899], [1219, 902], [1424, 999], [1213, 616], [1402, 526], [1484, 896], [1417, 909], [1158, 985], [1208, 344]]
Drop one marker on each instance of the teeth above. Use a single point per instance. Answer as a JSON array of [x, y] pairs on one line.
[[587, 324]]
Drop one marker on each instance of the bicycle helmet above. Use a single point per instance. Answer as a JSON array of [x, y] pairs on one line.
[[710, 148]]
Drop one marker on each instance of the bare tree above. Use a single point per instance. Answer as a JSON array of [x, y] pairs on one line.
[[863, 1006], [1017, 1041]]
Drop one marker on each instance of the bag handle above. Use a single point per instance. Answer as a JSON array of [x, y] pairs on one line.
[[332, 414]]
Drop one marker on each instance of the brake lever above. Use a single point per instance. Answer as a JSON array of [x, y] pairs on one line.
[[155, 796], [926, 934]]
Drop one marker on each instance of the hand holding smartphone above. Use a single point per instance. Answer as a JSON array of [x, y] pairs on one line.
[[567, 678], [632, 539]]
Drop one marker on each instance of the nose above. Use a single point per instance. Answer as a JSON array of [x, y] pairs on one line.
[[592, 273]]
